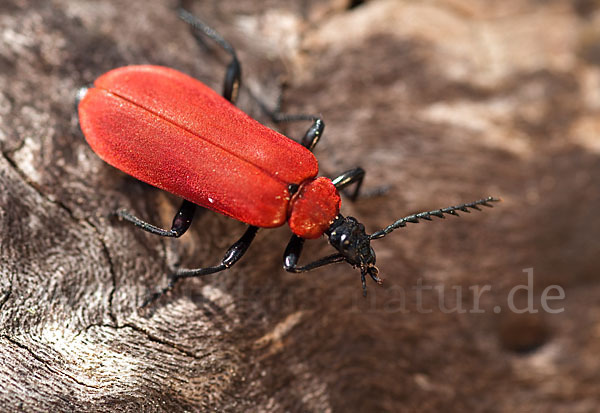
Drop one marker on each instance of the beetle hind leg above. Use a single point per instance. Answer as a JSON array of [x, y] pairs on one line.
[[232, 255], [233, 73], [181, 221], [233, 80]]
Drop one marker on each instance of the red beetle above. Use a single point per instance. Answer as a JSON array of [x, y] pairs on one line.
[[172, 131]]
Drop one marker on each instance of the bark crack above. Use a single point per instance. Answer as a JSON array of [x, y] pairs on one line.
[[148, 335], [164, 342], [17, 148]]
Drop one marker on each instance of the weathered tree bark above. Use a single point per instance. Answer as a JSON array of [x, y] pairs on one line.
[[445, 101]]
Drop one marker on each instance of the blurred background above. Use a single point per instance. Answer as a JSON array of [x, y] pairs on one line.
[[441, 101]]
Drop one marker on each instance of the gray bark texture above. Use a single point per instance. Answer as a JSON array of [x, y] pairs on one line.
[[445, 101]]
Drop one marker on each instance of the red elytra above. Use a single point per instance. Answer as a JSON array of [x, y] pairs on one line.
[[173, 132]]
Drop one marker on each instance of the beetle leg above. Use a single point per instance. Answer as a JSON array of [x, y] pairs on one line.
[[363, 282], [181, 221], [233, 254], [312, 135], [357, 175], [353, 176], [233, 73], [279, 117], [233, 80], [292, 255]]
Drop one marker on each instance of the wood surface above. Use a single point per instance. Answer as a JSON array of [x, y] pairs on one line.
[[444, 101]]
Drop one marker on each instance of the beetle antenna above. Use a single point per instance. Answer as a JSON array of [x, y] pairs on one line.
[[415, 218]]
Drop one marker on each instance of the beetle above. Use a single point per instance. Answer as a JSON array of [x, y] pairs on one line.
[[173, 132]]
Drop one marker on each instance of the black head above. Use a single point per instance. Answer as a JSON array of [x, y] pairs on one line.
[[348, 236]]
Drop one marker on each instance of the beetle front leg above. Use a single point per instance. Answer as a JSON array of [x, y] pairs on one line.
[[233, 255], [292, 255], [181, 221]]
